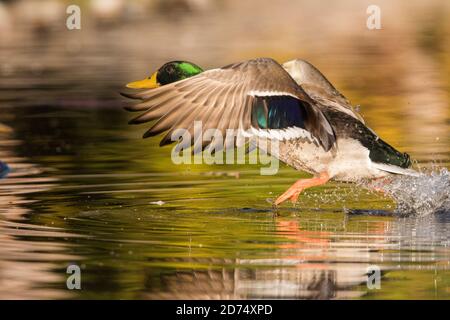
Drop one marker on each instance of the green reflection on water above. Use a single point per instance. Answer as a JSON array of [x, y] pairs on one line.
[[86, 189]]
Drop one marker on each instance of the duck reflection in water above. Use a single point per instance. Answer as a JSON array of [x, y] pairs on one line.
[[310, 262]]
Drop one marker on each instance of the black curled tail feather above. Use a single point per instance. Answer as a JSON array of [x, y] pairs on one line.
[[382, 152]]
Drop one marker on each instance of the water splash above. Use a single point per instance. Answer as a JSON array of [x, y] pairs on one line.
[[428, 193]]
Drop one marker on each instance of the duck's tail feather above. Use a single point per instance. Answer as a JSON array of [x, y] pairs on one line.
[[395, 169]]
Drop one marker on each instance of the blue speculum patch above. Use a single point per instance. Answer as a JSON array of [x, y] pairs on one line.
[[278, 112]]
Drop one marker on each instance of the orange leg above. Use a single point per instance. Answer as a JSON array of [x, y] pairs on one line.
[[293, 192]]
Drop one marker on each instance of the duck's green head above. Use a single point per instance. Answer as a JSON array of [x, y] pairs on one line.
[[168, 73]]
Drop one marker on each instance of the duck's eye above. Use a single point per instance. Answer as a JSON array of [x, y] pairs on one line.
[[168, 69]]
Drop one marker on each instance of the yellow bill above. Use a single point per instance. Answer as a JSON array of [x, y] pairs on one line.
[[147, 83]]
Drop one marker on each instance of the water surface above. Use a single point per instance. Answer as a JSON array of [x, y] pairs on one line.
[[85, 189]]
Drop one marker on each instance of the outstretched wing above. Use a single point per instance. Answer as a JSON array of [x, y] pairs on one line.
[[314, 83], [226, 98]]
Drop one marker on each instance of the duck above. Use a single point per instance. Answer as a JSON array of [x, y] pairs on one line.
[[293, 104]]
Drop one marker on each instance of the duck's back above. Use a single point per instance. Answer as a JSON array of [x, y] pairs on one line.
[[347, 127]]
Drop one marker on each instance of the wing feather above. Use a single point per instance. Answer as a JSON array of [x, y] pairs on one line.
[[318, 87], [222, 98]]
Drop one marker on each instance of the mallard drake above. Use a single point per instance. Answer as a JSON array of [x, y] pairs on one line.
[[317, 128]]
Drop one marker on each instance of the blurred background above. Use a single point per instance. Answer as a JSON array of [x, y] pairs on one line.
[[84, 188]]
